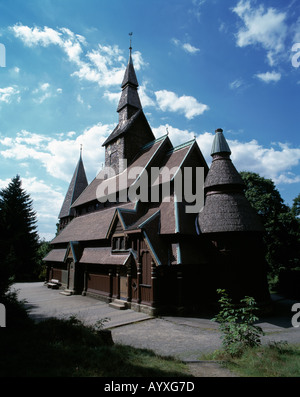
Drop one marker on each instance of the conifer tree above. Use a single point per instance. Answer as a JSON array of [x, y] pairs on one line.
[[19, 238]]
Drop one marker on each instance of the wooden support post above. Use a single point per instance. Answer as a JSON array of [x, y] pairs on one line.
[[110, 274], [118, 282], [154, 284], [129, 283], [84, 289], [139, 274], [179, 287]]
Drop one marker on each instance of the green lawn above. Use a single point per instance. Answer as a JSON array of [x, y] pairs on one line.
[[273, 360]]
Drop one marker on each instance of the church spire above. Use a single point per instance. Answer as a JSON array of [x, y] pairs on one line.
[[129, 102], [77, 185]]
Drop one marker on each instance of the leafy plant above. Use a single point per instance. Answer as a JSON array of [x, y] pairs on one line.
[[237, 324]]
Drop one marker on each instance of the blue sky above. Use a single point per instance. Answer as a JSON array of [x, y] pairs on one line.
[[201, 65]]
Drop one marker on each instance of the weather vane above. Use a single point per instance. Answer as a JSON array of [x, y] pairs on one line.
[[130, 48]]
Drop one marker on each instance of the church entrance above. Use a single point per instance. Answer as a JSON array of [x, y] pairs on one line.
[[71, 282], [123, 283], [123, 287]]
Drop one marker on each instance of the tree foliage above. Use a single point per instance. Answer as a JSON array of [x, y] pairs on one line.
[[296, 206], [282, 235], [19, 241]]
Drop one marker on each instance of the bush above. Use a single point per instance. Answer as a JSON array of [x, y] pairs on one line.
[[237, 324]]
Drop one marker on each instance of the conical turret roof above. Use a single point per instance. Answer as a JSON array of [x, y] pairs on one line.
[[226, 208], [220, 144], [77, 185]]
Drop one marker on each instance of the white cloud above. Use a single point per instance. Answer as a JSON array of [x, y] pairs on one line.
[[187, 47], [264, 27], [112, 96], [190, 48], [188, 105], [146, 100], [274, 162], [7, 94], [236, 84], [104, 66], [51, 152], [45, 91], [269, 77], [36, 36]]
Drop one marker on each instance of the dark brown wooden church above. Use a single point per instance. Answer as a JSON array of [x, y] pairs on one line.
[[153, 255]]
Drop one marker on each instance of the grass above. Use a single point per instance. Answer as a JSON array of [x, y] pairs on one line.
[[278, 359], [67, 348]]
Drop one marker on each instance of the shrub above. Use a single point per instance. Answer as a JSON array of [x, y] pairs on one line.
[[237, 324]]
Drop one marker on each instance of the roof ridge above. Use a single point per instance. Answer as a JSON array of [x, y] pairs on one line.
[[181, 146], [153, 142]]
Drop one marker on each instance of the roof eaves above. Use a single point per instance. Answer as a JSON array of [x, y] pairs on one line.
[[148, 242], [149, 219]]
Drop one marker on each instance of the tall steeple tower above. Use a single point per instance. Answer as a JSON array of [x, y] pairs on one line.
[[77, 185], [133, 130], [129, 102]]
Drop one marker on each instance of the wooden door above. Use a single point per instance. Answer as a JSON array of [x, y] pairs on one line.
[[71, 282], [123, 287]]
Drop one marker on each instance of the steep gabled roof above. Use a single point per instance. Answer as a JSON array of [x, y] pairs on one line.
[[142, 160], [88, 227], [122, 128], [56, 255], [77, 185]]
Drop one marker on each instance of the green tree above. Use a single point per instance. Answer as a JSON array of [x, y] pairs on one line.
[[296, 206], [43, 249], [19, 231], [282, 228]]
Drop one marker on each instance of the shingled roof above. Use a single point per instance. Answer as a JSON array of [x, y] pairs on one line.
[[143, 159], [77, 185], [226, 208], [88, 227]]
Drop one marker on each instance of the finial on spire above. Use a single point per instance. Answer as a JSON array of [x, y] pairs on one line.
[[80, 149], [130, 48]]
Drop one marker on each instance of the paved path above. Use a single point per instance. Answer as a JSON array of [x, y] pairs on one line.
[[183, 337]]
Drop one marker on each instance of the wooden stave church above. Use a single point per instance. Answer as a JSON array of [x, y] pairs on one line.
[[153, 256]]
